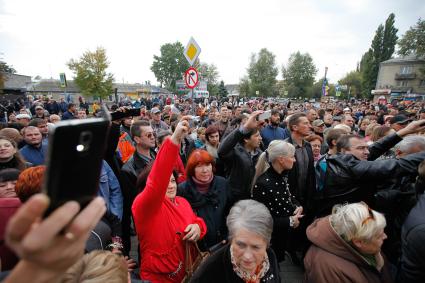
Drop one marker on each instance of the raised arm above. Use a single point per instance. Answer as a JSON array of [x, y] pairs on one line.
[[386, 143], [226, 147], [149, 201]]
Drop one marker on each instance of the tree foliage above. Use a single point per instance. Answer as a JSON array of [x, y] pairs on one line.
[[413, 41], [262, 73], [209, 73], [4, 70], [382, 48], [170, 65], [91, 74], [244, 87], [353, 80], [222, 91], [298, 74]]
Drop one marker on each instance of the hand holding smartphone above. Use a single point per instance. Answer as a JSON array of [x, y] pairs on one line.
[[265, 115], [74, 161]]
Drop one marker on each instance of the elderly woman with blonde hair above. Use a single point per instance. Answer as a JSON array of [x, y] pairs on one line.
[[346, 246]]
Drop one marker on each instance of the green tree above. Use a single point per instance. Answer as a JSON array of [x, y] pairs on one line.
[[4, 70], [413, 41], [222, 91], [389, 39], [298, 75], [91, 74], [170, 65], [244, 87], [209, 73], [262, 73], [382, 48], [353, 80]]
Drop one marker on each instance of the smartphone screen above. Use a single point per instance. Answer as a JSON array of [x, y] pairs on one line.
[[266, 115], [74, 161]]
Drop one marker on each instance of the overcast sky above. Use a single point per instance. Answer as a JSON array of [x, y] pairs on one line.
[[39, 37]]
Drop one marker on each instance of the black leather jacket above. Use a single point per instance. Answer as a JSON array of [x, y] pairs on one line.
[[349, 179], [240, 164]]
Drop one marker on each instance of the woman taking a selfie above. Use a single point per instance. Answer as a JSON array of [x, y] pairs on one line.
[[164, 221]]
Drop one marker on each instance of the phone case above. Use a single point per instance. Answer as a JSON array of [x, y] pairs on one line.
[[74, 161]]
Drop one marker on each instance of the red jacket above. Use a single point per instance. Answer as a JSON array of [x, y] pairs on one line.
[[160, 223]]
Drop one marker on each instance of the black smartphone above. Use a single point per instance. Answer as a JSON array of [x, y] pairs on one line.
[[74, 161], [130, 112]]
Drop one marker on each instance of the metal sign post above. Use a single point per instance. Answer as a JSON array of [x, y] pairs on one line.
[[191, 52]]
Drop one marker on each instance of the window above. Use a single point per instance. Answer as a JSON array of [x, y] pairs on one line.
[[404, 70], [401, 83], [422, 83]]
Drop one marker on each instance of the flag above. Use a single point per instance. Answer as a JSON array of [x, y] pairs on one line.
[[325, 87]]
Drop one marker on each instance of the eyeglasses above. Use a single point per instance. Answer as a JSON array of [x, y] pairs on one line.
[[370, 217], [150, 135]]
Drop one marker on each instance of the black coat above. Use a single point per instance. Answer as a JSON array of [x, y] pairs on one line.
[[218, 268], [303, 195], [213, 207], [240, 165], [412, 267], [349, 179], [272, 190]]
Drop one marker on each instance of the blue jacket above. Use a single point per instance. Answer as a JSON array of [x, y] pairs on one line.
[[110, 190], [270, 133], [34, 155], [67, 116]]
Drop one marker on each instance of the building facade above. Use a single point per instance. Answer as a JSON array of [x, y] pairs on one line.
[[401, 78]]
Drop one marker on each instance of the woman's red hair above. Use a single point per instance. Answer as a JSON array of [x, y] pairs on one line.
[[198, 156], [30, 182]]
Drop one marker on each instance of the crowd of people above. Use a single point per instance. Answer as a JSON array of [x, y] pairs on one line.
[[335, 187]]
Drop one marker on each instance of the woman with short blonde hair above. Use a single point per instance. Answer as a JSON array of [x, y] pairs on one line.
[[346, 246], [98, 267]]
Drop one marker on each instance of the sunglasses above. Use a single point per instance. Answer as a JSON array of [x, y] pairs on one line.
[[150, 135], [370, 217]]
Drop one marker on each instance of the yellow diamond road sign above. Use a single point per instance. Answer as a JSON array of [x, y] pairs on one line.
[[192, 51]]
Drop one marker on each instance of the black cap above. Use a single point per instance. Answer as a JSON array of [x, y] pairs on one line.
[[399, 119]]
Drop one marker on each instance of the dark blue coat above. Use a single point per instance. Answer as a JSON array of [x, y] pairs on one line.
[[271, 133]]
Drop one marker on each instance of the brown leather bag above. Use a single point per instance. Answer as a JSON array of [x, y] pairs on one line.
[[191, 264]]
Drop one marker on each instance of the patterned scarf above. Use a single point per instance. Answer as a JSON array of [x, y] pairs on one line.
[[248, 277]]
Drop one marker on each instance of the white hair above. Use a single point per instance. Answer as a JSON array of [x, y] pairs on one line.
[[250, 215], [276, 149], [409, 142], [356, 221], [343, 127]]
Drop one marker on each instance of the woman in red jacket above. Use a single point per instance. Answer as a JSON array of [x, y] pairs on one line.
[[163, 221]]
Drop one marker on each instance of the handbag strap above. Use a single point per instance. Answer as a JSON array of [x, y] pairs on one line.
[[188, 258]]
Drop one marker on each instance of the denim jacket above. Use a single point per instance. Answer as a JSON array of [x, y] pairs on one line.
[[110, 190]]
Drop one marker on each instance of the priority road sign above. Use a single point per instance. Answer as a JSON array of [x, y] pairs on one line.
[[191, 77], [192, 51]]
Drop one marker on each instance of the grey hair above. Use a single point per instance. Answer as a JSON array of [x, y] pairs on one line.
[[250, 215], [409, 142], [276, 149], [351, 221]]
